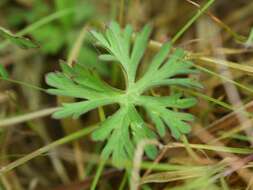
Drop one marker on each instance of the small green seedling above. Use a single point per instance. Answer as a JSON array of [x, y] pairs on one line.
[[126, 128]]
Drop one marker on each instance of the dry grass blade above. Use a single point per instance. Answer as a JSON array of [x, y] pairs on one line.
[[172, 176], [214, 61]]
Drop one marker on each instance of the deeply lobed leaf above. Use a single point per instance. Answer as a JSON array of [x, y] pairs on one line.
[[124, 129]]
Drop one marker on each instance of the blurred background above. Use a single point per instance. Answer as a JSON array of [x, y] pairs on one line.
[[218, 42]]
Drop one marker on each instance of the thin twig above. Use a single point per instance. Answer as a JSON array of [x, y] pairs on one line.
[[26, 117]]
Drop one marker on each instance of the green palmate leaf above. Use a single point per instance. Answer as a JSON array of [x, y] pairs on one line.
[[20, 41], [124, 129], [3, 73]]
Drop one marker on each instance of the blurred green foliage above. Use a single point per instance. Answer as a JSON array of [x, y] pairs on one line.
[[20, 41], [3, 72], [59, 35]]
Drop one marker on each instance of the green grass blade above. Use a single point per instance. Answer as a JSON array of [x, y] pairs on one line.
[[40, 151]]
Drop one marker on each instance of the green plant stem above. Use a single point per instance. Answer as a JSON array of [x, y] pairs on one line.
[[47, 148], [98, 174], [101, 113], [123, 181], [208, 98], [102, 162], [121, 12], [224, 78], [189, 149], [213, 148], [42, 22], [144, 165], [224, 184], [192, 20], [23, 84]]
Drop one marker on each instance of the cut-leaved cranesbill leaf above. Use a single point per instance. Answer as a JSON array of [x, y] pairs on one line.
[[20, 41], [124, 129]]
